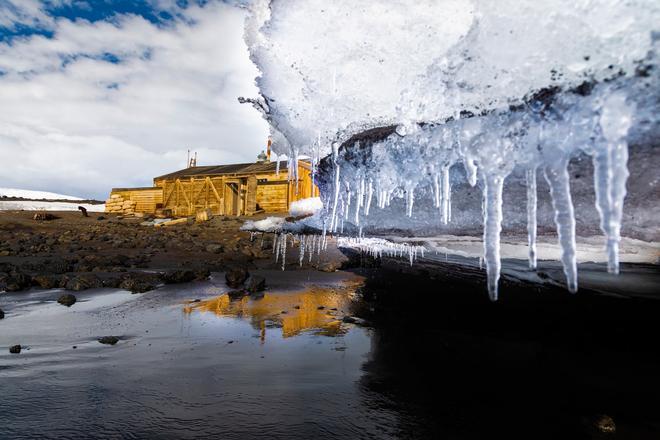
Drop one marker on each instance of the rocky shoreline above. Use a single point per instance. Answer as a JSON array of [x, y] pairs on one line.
[[78, 253]]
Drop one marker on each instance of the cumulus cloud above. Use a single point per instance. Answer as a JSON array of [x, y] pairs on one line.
[[24, 12], [111, 104]]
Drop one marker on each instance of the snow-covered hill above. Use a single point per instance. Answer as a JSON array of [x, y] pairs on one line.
[[38, 203], [36, 195]]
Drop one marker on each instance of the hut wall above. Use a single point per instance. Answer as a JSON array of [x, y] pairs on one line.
[[236, 194], [146, 199]]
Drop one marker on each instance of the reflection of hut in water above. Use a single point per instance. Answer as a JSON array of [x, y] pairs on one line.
[[309, 310]]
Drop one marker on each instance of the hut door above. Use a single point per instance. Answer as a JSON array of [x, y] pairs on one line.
[[232, 199]]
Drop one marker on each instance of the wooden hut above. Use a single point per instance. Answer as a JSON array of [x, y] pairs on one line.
[[238, 189]]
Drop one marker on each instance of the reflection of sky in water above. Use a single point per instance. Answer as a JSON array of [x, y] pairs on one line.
[[316, 309]]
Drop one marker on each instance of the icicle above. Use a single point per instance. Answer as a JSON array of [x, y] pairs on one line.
[[276, 248], [346, 206], [335, 157], [302, 250], [436, 191], [410, 199], [283, 241], [277, 165], [370, 193], [531, 216], [611, 173], [492, 227], [556, 175], [470, 170], [446, 191], [312, 247], [275, 239]]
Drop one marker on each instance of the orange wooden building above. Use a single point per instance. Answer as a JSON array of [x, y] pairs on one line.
[[237, 189]]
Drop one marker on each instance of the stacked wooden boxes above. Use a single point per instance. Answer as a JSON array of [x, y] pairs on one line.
[[116, 204]]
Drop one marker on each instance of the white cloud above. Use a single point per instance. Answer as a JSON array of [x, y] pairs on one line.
[[70, 121], [24, 12]]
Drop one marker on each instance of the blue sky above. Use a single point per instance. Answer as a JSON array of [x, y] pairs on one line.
[[108, 93]]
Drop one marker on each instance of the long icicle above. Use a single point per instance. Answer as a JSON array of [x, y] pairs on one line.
[[492, 227], [611, 171], [556, 174], [446, 193], [531, 215], [333, 220]]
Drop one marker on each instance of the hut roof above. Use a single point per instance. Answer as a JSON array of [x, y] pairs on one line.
[[219, 170]]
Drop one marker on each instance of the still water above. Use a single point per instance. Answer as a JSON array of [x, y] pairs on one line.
[[191, 364], [441, 362]]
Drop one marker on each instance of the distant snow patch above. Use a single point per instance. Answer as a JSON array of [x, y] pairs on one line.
[[305, 206]]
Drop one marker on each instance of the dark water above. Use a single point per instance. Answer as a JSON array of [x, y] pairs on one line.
[[243, 369], [208, 369]]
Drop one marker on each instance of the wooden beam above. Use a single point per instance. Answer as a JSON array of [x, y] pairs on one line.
[[194, 197], [183, 192], [215, 191], [167, 198]]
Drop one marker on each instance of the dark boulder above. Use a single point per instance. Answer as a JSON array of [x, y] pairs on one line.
[[44, 216], [15, 349], [178, 276], [83, 282], [236, 277], [112, 282], [15, 281], [46, 281], [67, 300], [202, 274], [136, 285], [109, 340], [2, 314], [255, 283], [140, 282]]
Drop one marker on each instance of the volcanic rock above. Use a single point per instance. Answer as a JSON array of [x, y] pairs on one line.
[[109, 340], [67, 299], [46, 281], [84, 282], [178, 276], [236, 277]]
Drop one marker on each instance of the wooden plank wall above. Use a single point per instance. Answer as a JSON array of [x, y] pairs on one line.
[[270, 192], [146, 199]]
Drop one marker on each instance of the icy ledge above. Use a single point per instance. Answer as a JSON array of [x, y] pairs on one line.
[[465, 92]]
